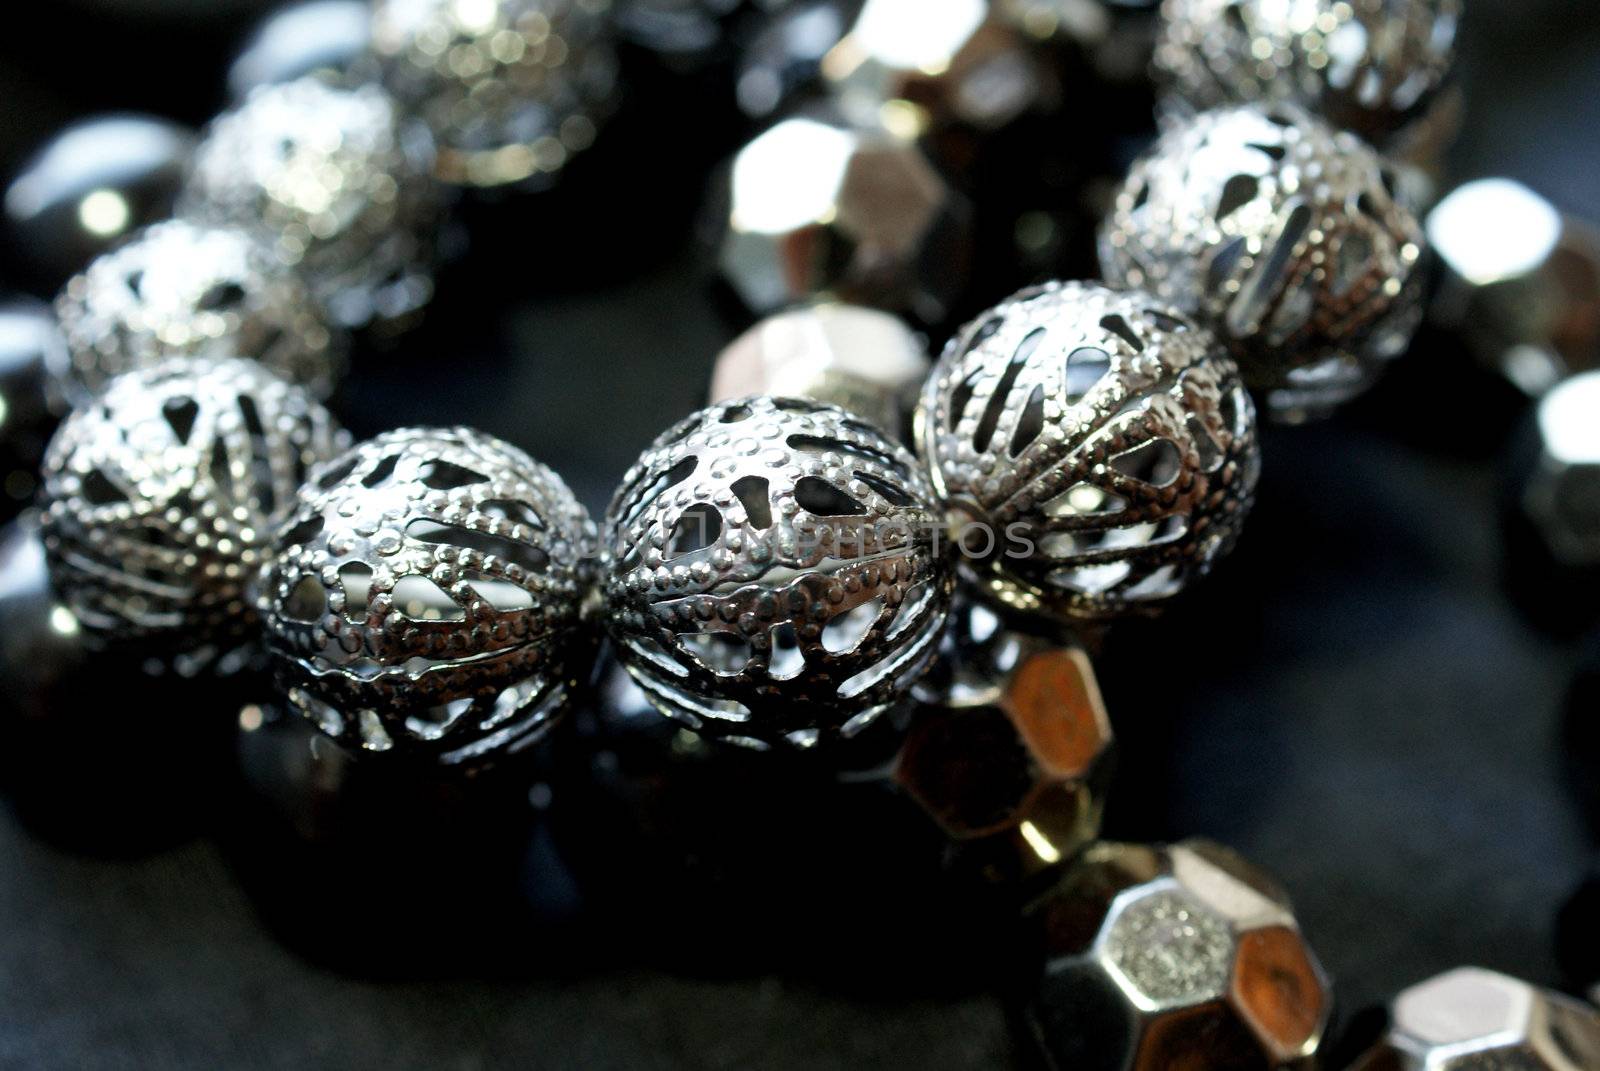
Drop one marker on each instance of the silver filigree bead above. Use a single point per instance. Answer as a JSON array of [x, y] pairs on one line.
[[426, 598], [773, 574], [1370, 66], [510, 88], [336, 183], [1286, 238], [1099, 445], [160, 497], [179, 289]]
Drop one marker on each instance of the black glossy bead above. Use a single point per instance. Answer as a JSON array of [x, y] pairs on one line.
[[30, 348], [89, 186], [327, 38]]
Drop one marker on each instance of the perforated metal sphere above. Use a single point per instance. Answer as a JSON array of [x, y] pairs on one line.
[[426, 596], [1101, 443], [1371, 66], [1283, 236], [510, 88], [773, 576], [160, 497], [335, 182], [181, 289]]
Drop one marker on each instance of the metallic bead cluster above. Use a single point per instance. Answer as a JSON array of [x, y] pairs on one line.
[[426, 595], [773, 577], [179, 288], [1102, 442], [1181, 956], [1371, 66], [816, 207], [1283, 236], [1470, 1019], [336, 183], [510, 88], [161, 495]]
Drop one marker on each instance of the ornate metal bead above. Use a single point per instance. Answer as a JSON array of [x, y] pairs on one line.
[[160, 498], [1470, 1019], [427, 597], [336, 183], [1286, 238], [818, 208], [862, 360], [1521, 281], [1099, 447], [327, 38], [1182, 956], [88, 187], [1562, 496], [1371, 66], [919, 66], [773, 575], [184, 289], [510, 88], [1010, 747]]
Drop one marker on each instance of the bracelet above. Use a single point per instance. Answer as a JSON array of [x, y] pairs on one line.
[[854, 566]]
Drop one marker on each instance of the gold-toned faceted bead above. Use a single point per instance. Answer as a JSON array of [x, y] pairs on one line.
[[1471, 1019], [1168, 957], [863, 360], [821, 208]]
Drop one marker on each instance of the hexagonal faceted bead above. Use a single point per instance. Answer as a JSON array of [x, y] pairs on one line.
[[821, 208], [863, 360], [1009, 751], [1520, 282], [1470, 1019], [1172, 957]]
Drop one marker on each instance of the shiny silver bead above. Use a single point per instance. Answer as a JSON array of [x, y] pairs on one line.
[[179, 288], [1521, 282], [336, 183], [1470, 1019], [1370, 66], [1562, 497], [1098, 446], [773, 576], [160, 497], [820, 208], [330, 39], [426, 597], [510, 88], [1163, 957], [862, 360], [1286, 238]]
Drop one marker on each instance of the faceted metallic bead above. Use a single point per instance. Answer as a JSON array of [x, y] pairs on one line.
[[818, 208], [184, 289], [427, 594], [31, 346], [919, 66], [1010, 747], [862, 360], [326, 38], [784, 59], [88, 187], [510, 88], [1562, 498], [1371, 66], [160, 498], [1470, 1019], [1314, 283], [773, 573], [336, 183], [1166, 957], [1521, 281], [1099, 446]]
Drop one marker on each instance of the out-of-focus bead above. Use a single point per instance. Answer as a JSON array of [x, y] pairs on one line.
[[31, 349], [784, 59], [326, 38], [1563, 496], [863, 360]]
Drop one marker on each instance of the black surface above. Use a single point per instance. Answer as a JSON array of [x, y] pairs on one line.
[[1355, 702]]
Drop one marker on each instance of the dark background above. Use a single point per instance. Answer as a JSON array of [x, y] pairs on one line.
[[1356, 702]]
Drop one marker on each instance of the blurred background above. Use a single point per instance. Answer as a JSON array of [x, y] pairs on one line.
[[1366, 699]]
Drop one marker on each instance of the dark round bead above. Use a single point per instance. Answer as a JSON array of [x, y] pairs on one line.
[[30, 345]]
